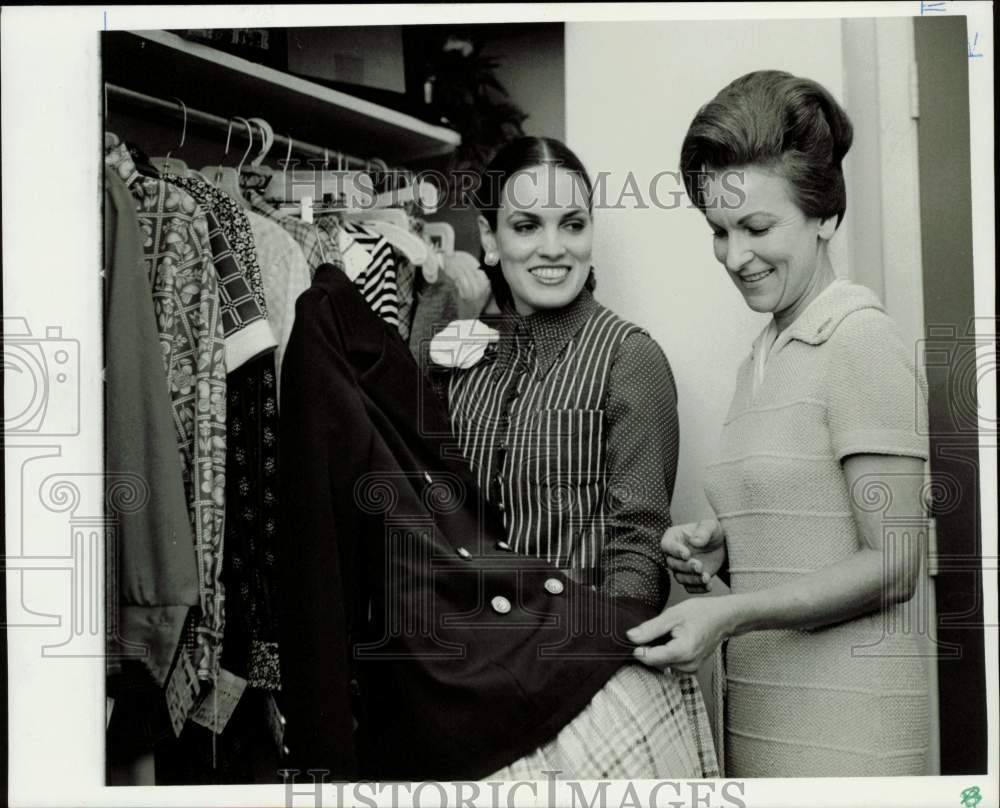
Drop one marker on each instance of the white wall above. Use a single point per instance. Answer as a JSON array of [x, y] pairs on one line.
[[631, 91]]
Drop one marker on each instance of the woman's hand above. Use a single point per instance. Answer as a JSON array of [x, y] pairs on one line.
[[473, 287], [695, 553], [693, 629]]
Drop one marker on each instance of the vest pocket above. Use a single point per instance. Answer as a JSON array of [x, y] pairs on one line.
[[564, 450]]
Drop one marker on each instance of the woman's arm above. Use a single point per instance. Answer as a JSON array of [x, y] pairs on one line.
[[876, 576], [642, 441]]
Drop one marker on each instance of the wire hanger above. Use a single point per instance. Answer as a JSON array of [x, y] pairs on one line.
[[227, 179], [174, 165], [256, 176]]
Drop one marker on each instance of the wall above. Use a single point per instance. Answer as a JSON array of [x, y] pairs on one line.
[[628, 110], [532, 69]]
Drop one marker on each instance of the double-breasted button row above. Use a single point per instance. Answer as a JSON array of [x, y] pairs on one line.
[[500, 604], [554, 586]]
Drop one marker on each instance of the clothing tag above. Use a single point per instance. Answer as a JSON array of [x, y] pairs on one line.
[[356, 258], [110, 707], [218, 704], [181, 692], [276, 722]]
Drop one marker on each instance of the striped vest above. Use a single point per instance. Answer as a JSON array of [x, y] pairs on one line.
[[530, 419]]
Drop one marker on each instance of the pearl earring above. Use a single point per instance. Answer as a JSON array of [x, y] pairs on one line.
[[491, 259]]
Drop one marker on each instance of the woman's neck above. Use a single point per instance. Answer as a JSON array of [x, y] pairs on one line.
[[821, 279]]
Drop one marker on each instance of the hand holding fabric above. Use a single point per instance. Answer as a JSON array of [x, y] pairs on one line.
[[693, 630]]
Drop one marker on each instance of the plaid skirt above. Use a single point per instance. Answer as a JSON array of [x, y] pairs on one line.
[[643, 724]]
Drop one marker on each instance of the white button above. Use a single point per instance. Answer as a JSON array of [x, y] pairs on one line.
[[500, 604], [554, 586], [502, 545], [464, 553], [427, 478]]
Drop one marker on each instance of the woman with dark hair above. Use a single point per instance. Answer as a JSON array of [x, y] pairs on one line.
[[569, 422], [824, 439]]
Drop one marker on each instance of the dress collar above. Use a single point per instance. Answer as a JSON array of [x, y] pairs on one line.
[[819, 321], [548, 331]]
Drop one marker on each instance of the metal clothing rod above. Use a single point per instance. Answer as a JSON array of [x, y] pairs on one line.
[[207, 118]]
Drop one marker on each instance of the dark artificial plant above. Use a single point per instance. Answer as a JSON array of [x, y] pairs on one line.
[[468, 97]]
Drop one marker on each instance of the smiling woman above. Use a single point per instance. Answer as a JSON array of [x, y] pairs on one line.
[[828, 411], [569, 422]]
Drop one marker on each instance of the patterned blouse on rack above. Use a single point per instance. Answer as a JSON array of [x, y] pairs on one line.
[[570, 424], [235, 225], [186, 300], [241, 296]]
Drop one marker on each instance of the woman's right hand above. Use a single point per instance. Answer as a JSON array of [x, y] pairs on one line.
[[695, 553]]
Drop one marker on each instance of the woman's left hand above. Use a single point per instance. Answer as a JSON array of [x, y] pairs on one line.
[[693, 629]]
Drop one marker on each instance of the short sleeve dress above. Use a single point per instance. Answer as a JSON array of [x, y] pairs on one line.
[[849, 699]]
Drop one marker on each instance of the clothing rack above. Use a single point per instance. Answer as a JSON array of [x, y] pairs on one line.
[[208, 119]]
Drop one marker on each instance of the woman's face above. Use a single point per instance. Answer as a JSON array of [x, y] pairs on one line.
[[770, 248], [544, 237]]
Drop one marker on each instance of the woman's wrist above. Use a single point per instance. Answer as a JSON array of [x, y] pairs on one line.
[[734, 611]]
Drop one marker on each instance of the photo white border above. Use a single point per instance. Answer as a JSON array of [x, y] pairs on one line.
[[51, 234]]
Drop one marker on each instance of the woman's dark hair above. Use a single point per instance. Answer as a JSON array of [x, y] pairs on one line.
[[773, 119], [518, 155]]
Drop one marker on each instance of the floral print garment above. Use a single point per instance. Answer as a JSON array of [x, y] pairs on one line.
[[251, 639], [235, 226], [186, 300]]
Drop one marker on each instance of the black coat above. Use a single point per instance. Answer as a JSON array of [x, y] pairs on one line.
[[390, 569]]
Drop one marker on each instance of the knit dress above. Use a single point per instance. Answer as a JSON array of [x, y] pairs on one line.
[[850, 699]]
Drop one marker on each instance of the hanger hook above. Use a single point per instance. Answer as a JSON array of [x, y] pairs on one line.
[[266, 137], [184, 126], [229, 135], [326, 157], [288, 156], [246, 154], [340, 161]]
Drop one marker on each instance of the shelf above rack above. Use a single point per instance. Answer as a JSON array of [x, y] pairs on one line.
[[163, 64]]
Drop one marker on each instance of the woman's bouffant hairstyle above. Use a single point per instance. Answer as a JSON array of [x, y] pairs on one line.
[[773, 119], [518, 155]]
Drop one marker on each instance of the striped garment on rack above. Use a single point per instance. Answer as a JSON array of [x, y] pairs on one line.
[[378, 282]]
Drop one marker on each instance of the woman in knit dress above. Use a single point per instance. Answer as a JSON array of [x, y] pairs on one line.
[[569, 422], [817, 485]]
